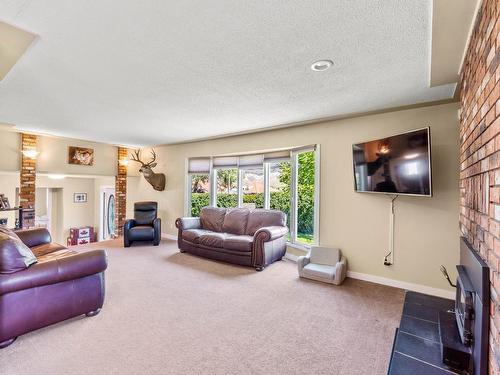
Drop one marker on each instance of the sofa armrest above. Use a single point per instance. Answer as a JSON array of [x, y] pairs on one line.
[[183, 223], [55, 271], [303, 261], [129, 224], [340, 271], [34, 237], [157, 228], [266, 234]]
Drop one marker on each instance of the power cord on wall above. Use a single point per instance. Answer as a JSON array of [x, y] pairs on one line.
[[390, 255], [386, 260]]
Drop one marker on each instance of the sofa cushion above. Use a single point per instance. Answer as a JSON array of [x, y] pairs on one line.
[[8, 232], [145, 212], [58, 254], [212, 218], [260, 218], [141, 232], [47, 248], [239, 243], [212, 239], [193, 235], [14, 254], [236, 220], [319, 270]]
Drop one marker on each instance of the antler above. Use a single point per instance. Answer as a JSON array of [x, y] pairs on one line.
[[154, 156], [136, 157]]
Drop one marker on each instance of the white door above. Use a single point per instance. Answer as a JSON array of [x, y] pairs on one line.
[[107, 215]]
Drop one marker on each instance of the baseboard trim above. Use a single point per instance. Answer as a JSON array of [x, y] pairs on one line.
[[402, 284], [292, 257], [169, 236], [391, 282]]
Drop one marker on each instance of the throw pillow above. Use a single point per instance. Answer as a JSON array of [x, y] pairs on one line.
[[14, 254]]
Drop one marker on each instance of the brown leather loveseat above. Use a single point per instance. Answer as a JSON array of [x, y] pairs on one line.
[[254, 238], [42, 282]]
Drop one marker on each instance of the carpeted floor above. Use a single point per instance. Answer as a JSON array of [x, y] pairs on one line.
[[172, 313]]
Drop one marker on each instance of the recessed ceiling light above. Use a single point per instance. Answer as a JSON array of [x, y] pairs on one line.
[[321, 65]]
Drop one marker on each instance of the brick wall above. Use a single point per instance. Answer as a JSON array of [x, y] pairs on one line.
[[28, 173], [480, 154], [121, 191]]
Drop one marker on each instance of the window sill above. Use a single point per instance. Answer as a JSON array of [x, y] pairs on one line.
[[298, 246]]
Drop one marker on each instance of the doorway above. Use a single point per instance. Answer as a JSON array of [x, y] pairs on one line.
[[107, 213]]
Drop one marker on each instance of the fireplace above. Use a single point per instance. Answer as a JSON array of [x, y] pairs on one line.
[[464, 332], [445, 336]]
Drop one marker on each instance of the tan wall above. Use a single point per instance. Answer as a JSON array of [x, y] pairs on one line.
[[53, 157], [8, 184], [10, 146], [73, 214], [70, 214], [426, 231]]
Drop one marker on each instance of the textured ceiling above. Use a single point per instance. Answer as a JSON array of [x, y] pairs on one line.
[[152, 72]]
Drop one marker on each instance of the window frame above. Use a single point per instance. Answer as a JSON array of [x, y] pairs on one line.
[[294, 152], [188, 194], [213, 185]]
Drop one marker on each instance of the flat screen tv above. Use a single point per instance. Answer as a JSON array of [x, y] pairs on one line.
[[400, 164]]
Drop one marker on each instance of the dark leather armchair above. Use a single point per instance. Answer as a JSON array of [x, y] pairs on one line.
[[145, 226]]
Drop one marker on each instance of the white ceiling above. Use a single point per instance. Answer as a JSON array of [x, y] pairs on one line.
[[152, 72]]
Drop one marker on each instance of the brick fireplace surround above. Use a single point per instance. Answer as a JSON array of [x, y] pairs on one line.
[[480, 154]]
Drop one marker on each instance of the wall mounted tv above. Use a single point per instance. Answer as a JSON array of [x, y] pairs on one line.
[[400, 164]]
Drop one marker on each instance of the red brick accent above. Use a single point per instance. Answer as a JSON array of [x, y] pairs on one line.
[[121, 191], [28, 173], [480, 154]]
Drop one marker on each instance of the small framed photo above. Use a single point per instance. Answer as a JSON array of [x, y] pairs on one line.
[[80, 197]]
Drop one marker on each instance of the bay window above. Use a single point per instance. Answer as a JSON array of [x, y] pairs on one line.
[[199, 185], [227, 187], [252, 181], [280, 195], [305, 186], [226, 176], [286, 180]]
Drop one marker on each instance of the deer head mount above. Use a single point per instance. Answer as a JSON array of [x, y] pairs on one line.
[[157, 180]]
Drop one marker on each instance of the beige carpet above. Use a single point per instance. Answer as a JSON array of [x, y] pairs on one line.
[[172, 313]]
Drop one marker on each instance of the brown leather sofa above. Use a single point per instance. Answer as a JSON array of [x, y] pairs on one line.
[[42, 282], [254, 238]]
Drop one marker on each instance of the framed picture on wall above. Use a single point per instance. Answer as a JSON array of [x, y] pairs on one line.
[[81, 156], [80, 197]]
